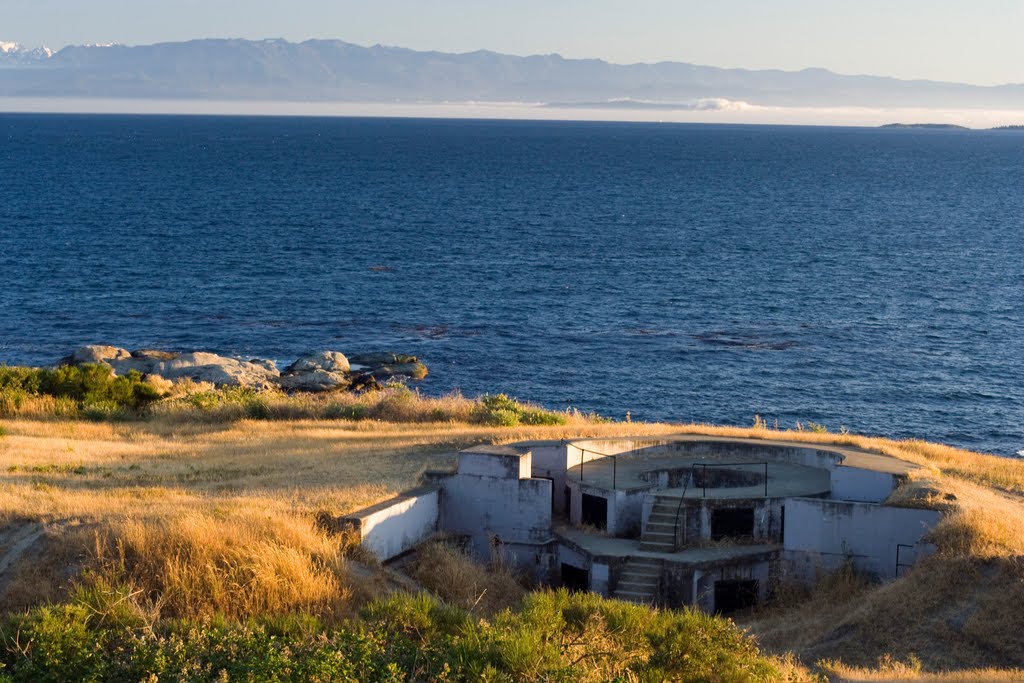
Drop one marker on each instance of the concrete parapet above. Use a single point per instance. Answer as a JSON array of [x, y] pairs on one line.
[[392, 527], [878, 539]]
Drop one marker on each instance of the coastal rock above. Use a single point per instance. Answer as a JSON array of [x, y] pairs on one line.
[[96, 353], [265, 363], [199, 366], [314, 380], [364, 382], [205, 367], [314, 372], [331, 361], [385, 365], [378, 359], [413, 370], [321, 371]]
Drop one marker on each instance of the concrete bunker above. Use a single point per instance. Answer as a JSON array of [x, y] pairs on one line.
[[687, 520]]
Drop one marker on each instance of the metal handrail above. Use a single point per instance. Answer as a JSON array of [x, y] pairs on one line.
[[615, 463], [704, 490], [679, 507], [900, 565]]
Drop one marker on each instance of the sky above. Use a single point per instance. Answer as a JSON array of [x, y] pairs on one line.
[[970, 42]]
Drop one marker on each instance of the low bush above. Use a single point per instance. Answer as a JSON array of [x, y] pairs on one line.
[[95, 389], [555, 636], [500, 410]]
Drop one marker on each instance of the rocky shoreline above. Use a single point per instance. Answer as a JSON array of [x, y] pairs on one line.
[[320, 371]]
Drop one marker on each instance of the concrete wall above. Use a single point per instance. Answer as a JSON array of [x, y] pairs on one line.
[[627, 516], [496, 461], [490, 510], [821, 534], [390, 528], [864, 486], [599, 577], [695, 517], [550, 462], [703, 581]]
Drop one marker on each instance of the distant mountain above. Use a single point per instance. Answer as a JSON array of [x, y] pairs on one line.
[[13, 54], [332, 70]]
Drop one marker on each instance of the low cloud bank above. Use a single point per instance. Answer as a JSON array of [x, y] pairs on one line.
[[706, 110]]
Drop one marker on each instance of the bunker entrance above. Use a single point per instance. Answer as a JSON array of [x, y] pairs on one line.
[[595, 511], [732, 523], [574, 578], [734, 595]]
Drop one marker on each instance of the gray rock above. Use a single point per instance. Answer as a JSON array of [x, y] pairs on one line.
[[378, 359], [199, 366], [314, 380], [266, 363], [209, 367], [331, 361], [96, 353], [414, 370]]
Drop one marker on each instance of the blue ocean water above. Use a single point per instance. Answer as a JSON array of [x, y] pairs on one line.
[[866, 278]]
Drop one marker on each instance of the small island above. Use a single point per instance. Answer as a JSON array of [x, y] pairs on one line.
[[926, 126]]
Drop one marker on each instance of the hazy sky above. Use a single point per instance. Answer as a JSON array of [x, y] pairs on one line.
[[956, 40]]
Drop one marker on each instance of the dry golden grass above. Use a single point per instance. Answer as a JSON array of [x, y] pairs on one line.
[[890, 670], [462, 581], [214, 517], [218, 516], [957, 611]]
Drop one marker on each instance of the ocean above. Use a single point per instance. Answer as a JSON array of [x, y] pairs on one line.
[[866, 279]]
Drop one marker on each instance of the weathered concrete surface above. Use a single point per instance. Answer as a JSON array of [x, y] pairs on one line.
[[647, 473], [860, 485], [496, 461], [607, 548], [718, 448], [822, 534], [392, 527]]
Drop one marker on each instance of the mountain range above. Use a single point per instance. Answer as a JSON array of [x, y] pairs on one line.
[[333, 70]]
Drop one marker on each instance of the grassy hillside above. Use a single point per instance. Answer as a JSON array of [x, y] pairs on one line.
[[138, 530]]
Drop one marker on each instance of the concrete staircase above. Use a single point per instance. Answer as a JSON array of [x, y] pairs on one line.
[[659, 533], [639, 581]]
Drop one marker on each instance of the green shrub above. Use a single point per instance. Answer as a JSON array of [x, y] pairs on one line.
[[542, 417], [502, 411], [556, 636], [98, 393]]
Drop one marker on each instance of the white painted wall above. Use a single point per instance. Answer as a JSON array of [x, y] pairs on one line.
[[821, 534], [599, 574], [550, 462], [510, 510], [865, 486], [391, 528], [495, 461]]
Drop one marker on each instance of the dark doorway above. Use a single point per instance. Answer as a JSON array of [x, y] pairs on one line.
[[595, 511], [782, 525], [568, 500], [734, 595], [575, 579], [732, 523]]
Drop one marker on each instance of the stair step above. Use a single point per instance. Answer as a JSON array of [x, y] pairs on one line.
[[635, 597], [665, 516], [639, 578], [657, 547], [643, 562]]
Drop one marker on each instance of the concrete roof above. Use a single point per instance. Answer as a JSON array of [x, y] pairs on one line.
[[851, 455], [607, 546], [625, 473]]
